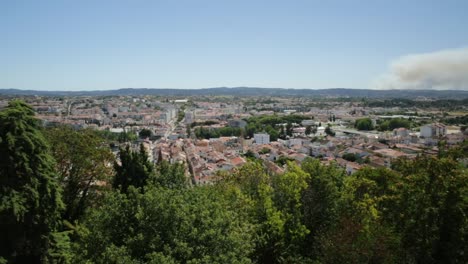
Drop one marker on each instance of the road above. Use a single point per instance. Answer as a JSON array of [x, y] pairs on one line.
[[372, 134]]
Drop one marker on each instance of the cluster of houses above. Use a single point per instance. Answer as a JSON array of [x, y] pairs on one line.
[[204, 158]]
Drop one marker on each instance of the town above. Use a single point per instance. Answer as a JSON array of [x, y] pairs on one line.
[[209, 134]]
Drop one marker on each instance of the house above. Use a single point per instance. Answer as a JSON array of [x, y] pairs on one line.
[[262, 138], [400, 132], [433, 130], [453, 139], [352, 167], [376, 161], [320, 131], [238, 161], [390, 153]]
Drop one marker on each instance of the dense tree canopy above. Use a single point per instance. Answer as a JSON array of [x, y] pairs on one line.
[[145, 133], [165, 226], [31, 203], [83, 163], [394, 123], [364, 124], [132, 169]]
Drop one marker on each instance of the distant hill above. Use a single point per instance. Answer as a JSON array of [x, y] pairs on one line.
[[252, 91]]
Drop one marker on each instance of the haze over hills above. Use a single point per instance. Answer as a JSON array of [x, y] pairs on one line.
[[251, 91]]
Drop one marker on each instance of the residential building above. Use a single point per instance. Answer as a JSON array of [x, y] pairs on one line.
[[433, 130], [262, 138]]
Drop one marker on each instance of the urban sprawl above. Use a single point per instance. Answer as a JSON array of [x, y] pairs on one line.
[[222, 133]]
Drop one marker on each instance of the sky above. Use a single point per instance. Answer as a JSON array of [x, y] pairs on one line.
[[98, 45]]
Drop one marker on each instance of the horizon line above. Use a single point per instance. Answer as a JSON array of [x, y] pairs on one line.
[[228, 87]]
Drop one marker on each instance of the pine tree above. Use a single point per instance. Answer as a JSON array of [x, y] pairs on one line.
[[134, 169], [30, 195]]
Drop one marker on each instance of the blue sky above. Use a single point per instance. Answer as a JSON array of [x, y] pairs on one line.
[[88, 45]]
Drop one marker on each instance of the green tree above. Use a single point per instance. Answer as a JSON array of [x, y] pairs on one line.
[[282, 133], [289, 129], [194, 225], [170, 175], [394, 123], [145, 133], [360, 234], [320, 202], [329, 131], [31, 203], [288, 189], [82, 163], [134, 169], [433, 209], [274, 205], [350, 157], [188, 130], [364, 124], [127, 136]]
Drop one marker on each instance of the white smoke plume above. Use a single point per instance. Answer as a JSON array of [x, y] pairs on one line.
[[441, 70]]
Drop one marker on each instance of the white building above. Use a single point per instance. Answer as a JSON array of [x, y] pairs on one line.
[[295, 142], [189, 117], [309, 122], [169, 115], [262, 138], [400, 132], [320, 131], [433, 130]]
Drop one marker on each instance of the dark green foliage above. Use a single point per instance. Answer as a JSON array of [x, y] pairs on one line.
[[127, 137], [329, 131], [165, 226], [320, 200], [353, 242], [30, 204], [134, 169], [350, 157], [181, 114], [274, 120], [170, 176], [207, 133], [274, 206], [407, 103], [363, 231], [145, 133], [394, 123], [433, 209], [458, 120], [82, 163], [283, 160], [108, 135], [249, 154], [205, 123], [364, 124], [289, 129], [230, 131]]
